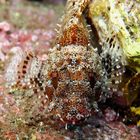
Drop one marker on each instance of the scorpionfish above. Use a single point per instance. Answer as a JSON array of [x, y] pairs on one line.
[[72, 80]]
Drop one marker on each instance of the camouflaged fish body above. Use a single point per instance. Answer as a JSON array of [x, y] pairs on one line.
[[73, 78]]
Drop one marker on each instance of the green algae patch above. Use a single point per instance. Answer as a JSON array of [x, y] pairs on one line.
[[136, 111], [122, 20]]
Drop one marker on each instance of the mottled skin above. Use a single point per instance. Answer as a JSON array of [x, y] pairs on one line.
[[70, 76], [73, 68]]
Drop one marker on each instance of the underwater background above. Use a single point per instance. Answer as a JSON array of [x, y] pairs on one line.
[[30, 25]]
